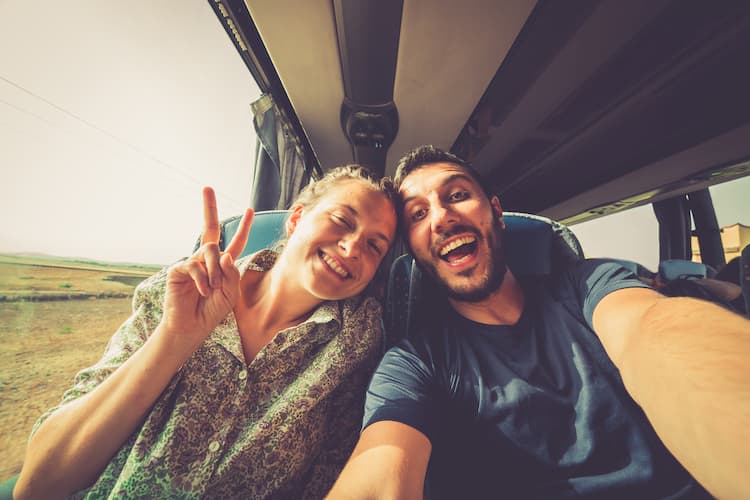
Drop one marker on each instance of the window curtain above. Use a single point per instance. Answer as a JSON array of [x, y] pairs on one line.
[[280, 170]]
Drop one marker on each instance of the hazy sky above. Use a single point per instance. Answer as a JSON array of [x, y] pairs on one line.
[[114, 114]]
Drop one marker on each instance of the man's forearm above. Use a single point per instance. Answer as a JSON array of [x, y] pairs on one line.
[[688, 365], [389, 462]]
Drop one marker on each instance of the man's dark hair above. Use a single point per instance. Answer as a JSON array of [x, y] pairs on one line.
[[427, 155]]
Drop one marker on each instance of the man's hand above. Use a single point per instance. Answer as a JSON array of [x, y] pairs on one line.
[[203, 289]]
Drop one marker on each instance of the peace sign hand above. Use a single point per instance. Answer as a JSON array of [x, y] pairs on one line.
[[204, 288]]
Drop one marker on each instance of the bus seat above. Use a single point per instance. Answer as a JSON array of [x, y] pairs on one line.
[[6, 488], [267, 229], [674, 269], [534, 246]]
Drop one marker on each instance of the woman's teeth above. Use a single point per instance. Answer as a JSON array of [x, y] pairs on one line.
[[335, 266]]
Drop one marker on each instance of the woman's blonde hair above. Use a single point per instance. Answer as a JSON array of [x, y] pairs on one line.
[[311, 194]]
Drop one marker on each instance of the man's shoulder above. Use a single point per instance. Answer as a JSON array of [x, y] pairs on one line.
[[423, 339], [430, 342], [588, 273], [583, 284]]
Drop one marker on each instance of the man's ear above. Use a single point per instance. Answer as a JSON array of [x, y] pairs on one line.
[[293, 219], [498, 210]]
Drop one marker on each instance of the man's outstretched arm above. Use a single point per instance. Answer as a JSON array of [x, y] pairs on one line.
[[389, 462], [686, 362]]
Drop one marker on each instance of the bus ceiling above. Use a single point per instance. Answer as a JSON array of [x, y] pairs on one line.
[[564, 107]]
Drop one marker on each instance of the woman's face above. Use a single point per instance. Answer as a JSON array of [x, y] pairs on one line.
[[337, 244]]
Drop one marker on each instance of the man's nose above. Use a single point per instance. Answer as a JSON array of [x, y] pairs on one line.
[[442, 218]]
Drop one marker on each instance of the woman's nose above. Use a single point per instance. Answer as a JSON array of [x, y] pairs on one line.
[[350, 245]]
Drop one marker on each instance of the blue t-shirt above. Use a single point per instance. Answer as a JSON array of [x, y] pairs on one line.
[[532, 410]]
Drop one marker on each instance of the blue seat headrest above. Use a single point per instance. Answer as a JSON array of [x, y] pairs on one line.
[[267, 229], [681, 269], [536, 245]]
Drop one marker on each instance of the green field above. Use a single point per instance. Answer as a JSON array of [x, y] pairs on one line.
[[47, 278], [56, 316]]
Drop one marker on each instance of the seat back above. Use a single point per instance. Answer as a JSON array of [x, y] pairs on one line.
[[534, 246], [267, 229], [674, 269]]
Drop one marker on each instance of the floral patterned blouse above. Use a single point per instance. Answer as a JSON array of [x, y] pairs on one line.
[[280, 427]]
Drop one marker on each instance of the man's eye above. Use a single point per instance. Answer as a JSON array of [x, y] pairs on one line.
[[459, 195]]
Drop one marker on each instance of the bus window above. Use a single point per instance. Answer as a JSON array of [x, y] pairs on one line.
[[630, 235], [732, 204], [112, 118], [633, 234]]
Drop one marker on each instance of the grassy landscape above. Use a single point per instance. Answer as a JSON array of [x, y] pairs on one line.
[[56, 316]]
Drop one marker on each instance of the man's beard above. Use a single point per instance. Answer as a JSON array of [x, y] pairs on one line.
[[493, 277]]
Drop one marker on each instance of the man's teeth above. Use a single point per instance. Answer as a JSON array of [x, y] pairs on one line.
[[455, 244], [335, 266]]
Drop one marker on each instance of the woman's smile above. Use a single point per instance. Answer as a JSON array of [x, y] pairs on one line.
[[334, 265]]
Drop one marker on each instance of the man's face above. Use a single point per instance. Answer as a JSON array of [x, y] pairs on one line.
[[454, 232]]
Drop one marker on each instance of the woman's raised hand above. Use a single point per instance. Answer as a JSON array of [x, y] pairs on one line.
[[203, 289]]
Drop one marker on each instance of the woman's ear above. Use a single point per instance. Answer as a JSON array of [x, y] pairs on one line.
[[293, 219]]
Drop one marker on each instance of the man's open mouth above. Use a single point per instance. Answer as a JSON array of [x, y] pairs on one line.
[[334, 265], [458, 250]]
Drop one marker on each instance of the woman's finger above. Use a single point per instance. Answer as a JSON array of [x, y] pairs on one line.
[[210, 254], [231, 277], [238, 243], [198, 274], [211, 228]]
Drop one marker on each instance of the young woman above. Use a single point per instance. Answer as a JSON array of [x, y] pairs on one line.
[[232, 379]]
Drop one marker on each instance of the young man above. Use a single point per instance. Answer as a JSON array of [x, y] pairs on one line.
[[587, 384]]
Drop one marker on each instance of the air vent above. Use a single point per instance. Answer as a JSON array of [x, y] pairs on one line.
[[709, 101], [520, 158], [547, 30], [677, 31]]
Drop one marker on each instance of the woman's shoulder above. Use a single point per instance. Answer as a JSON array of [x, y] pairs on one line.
[[361, 333], [360, 307], [262, 260], [361, 319]]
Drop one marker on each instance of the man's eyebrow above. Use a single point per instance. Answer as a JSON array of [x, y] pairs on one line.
[[448, 180], [458, 176]]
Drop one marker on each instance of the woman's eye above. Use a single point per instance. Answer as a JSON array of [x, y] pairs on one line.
[[342, 221], [375, 248], [418, 214]]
